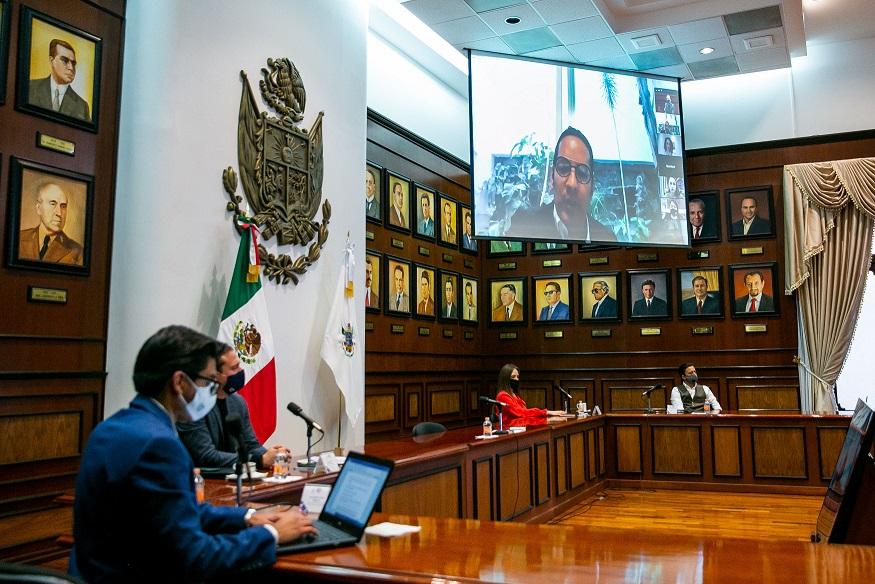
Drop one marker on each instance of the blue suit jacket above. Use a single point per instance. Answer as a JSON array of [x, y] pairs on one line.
[[205, 439], [135, 518], [559, 313]]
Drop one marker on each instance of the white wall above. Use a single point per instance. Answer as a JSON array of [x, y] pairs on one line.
[[174, 245]]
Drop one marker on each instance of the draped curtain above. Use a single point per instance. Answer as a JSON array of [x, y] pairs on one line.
[[829, 212]]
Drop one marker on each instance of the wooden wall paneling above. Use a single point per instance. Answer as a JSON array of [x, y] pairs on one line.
[[560, 447], [779, 452], [726, 451], [676, 450], [577, 458], [542, 472], [600, 433], [829, 444], [535, 397], [446, 401], [515, 480], [413, 403], [484, 490], [591, 455], [436, 495], [770, 398], [628, 451], [381, 407], [626, 396], [580, 390]]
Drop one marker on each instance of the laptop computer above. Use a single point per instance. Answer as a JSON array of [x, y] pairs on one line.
[[349, 505]]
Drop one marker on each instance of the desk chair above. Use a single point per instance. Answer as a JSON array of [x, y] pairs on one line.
[[423, 428], [23, 574]]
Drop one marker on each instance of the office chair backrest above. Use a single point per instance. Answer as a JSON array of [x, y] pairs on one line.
[[23, 574], [424, 428]]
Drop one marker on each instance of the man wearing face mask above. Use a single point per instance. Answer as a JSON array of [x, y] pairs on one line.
[[690, 396], [208, 440], [136, 517]]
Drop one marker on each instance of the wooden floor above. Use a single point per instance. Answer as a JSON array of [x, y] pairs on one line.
[[699, 513]]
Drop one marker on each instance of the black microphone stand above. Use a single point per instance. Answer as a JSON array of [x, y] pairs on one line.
[[650, 409], [309, 465], [501, 429], [238, 468]]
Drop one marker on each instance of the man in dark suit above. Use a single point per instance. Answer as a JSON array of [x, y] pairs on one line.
[[468, 241], [400, 301], [372, 205], [397, 213], [605, 306], [425, 306], [649, 305], [372, 299], [448, 227], [47, 242], [509, 309], [750, 223], [450, 309], [699, 228], [54, 92], [701, 302], [555, 309], [569, 216], [755, 300], [425, 225], [136, 517]]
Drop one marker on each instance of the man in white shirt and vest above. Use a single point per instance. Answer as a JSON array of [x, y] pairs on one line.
[[690, 396]]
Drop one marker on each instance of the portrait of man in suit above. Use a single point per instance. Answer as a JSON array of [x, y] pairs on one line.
[[46, 241], [604, 305], [507, 309], [750, 223], [425, 219], [372, 283], [450, 305], [55, 92], [700, 226], [398, 209], [649, 304], [756, 300], [425, 302], [400, 299], [469, 308], [448, 223], [468, 241], [555, 308], [703, 302], [372, 197]]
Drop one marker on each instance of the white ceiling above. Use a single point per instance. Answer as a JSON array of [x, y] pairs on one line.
[[659, 36]]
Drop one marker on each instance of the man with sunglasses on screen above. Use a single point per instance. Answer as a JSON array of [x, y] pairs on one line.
[[54, 92], [569, 216]]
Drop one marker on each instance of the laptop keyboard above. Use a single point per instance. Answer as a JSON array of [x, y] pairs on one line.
[[327, 532]]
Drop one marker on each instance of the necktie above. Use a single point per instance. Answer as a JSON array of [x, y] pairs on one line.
[[753, 305], [698, 232], [42, 250], [595, 310], [56, 100], [368, 299], [398, 302], [507, 313], [648, 305], [550, 313]]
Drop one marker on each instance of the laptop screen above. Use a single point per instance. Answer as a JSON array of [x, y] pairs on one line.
[[356, 490]]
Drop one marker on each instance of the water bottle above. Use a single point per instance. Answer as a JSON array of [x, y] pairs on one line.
[[707, 408], [487, 427], [581, 408], [199, 484]]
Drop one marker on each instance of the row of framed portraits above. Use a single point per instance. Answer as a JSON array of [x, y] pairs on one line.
[[750, 214], [399, 287], [400, 204], [58, 71]]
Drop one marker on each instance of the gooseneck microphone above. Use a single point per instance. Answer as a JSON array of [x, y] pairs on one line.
[[564, 391], [296, 410], [648, 391], [494, 402]]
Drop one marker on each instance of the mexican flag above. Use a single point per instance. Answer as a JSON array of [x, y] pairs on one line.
[[246, 328]]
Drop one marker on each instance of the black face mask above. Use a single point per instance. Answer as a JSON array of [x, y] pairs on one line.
[[514, 384], [235, 382]]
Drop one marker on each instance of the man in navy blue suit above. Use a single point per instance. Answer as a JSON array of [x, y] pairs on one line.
[[136, 517], [649, 304], [604, 306], [555, 309]]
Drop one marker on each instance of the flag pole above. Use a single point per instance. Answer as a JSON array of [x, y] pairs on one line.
[[340, 410]]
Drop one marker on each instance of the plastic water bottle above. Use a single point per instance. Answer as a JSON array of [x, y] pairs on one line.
[[707, 408], [199, 485], [487, 427]]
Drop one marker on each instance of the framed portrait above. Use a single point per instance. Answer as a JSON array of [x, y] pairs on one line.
[[423, 202], [449, 221], [507, 301], [4, 46], [425, 285], [373, 263], [750, 213], [398, 203], [469, 299], [703, 217], [505, 247], [753, 289], [552, 299], [373, 192], [543, 247], [397, 286], [58, 71], [649, 294], [600, 296], [50, 213], [469, 244], [449, 306], [700, 292]]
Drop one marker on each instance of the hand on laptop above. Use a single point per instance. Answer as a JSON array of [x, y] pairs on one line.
[[289, 524]]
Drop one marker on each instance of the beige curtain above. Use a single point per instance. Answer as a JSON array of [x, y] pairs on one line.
[[829, 212]]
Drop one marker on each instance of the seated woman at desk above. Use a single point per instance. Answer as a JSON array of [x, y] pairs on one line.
[[516, 412]]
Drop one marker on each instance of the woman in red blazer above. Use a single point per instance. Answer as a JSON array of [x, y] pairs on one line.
[[516, 412]]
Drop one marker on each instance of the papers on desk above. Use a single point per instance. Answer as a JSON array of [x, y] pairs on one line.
[[281, 480], [515, 429], [485, 436], [387, 529], [256, 475]]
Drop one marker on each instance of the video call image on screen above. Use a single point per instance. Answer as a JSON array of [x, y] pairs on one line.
[[563, 152]]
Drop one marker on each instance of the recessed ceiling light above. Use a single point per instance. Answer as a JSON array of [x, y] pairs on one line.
[[512, 20], [706, 50]]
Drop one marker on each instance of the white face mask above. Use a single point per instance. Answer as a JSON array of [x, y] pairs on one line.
[[203, 401], [692, 378]]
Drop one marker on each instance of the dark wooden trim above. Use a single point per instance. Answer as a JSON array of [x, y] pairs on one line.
[[18, 375], [418, 140], [786, 143]]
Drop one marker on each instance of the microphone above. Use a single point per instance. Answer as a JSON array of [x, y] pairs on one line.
[[296, 409], [564, 392], [489, 400], [648, 391]]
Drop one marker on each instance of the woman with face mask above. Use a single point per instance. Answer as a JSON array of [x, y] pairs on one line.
[[516, 412]]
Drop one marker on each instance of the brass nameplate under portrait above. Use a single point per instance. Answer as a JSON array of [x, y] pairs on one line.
[[448, 257], [651, 331], [397, 329], [755, 328], [552, 263], [507, 336], [369, 325], [598, 261], [397, 243], [424, 331], [424, 251], [469, 263], [469, 335], [600, 333], [507, 266], [448, 333], [553, 334], [648, 257], [703, 330], [369, 235], [702, 254], [52, 295], [745, 251], [55, 144]]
